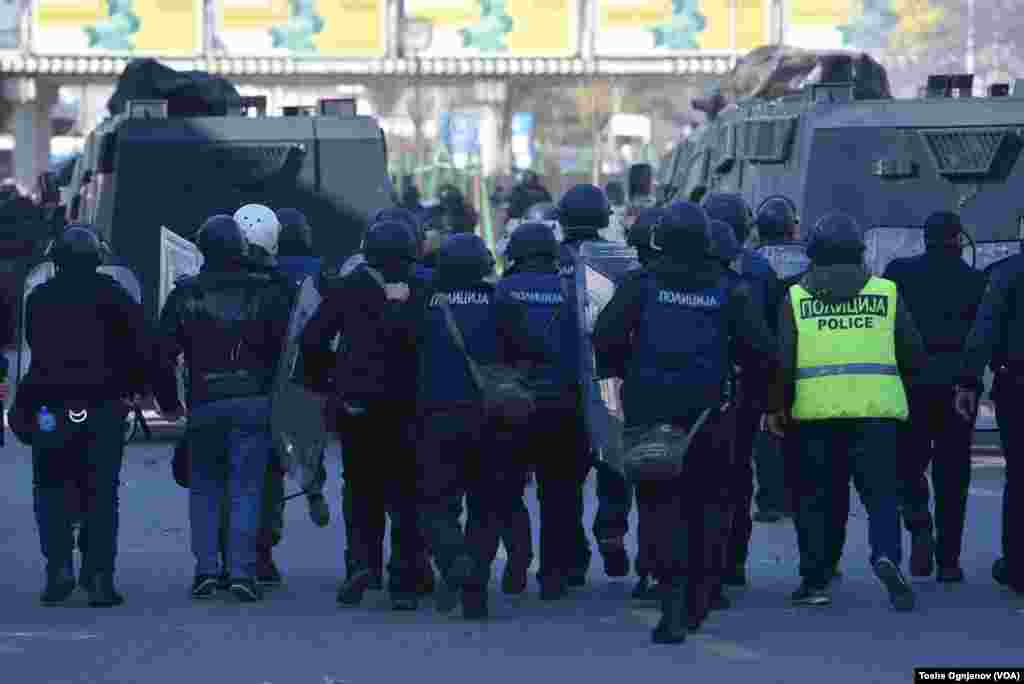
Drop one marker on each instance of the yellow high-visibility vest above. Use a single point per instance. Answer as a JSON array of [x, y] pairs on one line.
[[846, 355]]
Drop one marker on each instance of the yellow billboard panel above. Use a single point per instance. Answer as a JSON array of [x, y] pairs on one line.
[[122, 27], [314, 28], [631, 27], [521, 28]]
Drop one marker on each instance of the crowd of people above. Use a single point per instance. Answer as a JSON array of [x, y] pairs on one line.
[[829, 376]]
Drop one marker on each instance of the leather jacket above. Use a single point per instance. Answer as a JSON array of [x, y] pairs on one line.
[[230, 325]]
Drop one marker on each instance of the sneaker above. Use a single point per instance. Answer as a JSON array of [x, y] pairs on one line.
[[246, 590], [205, 586], [807, 595], [736, 578], [950, 575], [513, 581], [319, 511], [351, 591], [922, 554], [901, 596], [267, 575]]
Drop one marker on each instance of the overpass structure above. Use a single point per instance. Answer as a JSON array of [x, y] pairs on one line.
[[284, 45]]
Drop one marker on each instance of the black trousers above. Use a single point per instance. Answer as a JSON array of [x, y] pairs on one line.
[[378, 458], [686, 519], [1008, 395], [91, 464], [558, 447], [796, 489], [938, 436], [456, 453], [747, 422]]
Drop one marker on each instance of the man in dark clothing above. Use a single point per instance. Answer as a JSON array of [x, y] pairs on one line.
[[842, 357], [997, 340], [525, 194], [454, 434], [942, 293], [372, 385], [230, 322], [685, 299], [75, 394], [582, 212]]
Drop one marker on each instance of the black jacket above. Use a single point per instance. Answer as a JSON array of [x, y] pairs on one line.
[[942, 294], [88, 339], [997, 336], [377, 359], [230, 325]]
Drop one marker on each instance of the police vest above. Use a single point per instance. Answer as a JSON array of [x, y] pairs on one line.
[[846, 355], [680, 359], [444, 375], [543, 296]]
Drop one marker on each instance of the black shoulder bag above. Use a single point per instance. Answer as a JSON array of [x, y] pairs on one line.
[[503, 388]]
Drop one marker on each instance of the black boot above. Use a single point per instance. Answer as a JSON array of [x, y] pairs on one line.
[[672, 627], [102, 593], [59, 587]]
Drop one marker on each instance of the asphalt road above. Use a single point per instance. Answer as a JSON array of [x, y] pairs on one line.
[[300, 636]]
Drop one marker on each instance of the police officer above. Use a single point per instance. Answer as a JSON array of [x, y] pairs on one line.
[[556, 446], [525, 194], [672, 331], [454, 450], [230, 322], [776, 220], [731, 209], [997, 339], [845, 336], [375, 310], [72, 401], [942, 294], [582, 212]]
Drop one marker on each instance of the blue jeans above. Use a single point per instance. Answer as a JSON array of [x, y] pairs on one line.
[[231, 445]]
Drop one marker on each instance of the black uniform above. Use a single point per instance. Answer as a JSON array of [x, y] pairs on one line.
[[997, 339], [104, 363], [942, 294]]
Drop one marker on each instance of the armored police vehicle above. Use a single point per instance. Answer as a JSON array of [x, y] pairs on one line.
[[144, 176]]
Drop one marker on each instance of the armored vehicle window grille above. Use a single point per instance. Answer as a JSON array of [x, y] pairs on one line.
[[767, 140], [959, 152]]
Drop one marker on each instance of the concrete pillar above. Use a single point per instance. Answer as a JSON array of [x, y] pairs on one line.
[[33, 131]]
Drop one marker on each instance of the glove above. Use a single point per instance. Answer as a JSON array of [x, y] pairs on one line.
[[966, 403], [776, 423]]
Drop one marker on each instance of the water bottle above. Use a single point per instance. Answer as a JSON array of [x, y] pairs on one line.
[[47, 421]]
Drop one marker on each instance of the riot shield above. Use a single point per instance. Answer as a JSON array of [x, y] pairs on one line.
[[179, 258], [296, 413], [990, 254], [787, 258], [599, 268]]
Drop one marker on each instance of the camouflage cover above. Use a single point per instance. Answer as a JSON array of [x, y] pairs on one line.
[[599, 267], [787, 258], [296, 413]]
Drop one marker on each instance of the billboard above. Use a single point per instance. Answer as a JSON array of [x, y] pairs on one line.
[[311, 28], [642, 27], [166, 28], [514, 28]]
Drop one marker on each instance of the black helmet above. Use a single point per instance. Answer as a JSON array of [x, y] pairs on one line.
[[682, 231], [836, 239], [584, 206], [403, 216], [775, 217], [532, 240], [389, 241], [464, 256], [221, 240], [942, 226], [542, 211], [615, 192], [296, 237], [723, 241], [729, 207], [78, 247]]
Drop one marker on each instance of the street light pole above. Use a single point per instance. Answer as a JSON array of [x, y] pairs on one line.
[[969, 57]]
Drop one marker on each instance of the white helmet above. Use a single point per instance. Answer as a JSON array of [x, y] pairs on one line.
[[260, 225]]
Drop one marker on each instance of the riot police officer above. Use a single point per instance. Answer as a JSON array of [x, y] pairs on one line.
[[230, 322], [555, 445], [672, 332], [845, 337], [464, 320], [997, 340], [731, 209], [582, 212], [375, 310], [70, 408], [942, 294]]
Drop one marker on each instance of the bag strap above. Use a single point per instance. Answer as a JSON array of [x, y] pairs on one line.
[[558, 309], [456, 335]]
